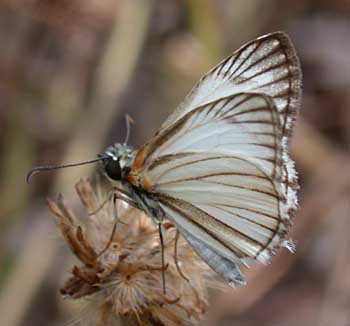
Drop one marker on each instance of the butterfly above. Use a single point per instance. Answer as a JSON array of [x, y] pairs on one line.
[[218, 168]]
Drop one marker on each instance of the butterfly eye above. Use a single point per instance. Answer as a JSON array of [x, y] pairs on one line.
[[113, 169]]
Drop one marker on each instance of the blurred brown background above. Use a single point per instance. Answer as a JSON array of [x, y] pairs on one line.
[[71, 70]]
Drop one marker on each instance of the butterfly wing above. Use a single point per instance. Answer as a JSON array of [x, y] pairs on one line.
[[267, 65], [223, 266], [219, 174], [219, 165]]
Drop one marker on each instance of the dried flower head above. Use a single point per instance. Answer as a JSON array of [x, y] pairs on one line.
[[120, 273]]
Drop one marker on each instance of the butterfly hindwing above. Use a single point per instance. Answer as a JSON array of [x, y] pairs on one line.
[[218, 170], [229, 271]]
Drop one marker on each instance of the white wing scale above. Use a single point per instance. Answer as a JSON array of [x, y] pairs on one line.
[[223, 266], [235, 191], [220, 166], [266, 65]]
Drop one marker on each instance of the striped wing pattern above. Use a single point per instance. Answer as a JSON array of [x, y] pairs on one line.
[[266, 65], [219, 165], [224, 186]]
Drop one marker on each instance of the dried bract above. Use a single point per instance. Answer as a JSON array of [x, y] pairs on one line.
[[120, 274]]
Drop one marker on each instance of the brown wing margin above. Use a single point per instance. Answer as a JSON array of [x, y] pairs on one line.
[[290, 95], [294, 75], [200, 220], [295, 81]]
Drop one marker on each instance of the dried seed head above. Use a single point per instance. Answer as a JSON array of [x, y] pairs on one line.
[[120, 273]]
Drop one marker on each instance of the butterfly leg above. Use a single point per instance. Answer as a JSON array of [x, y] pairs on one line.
[[115, 197], [152, 209], [161, 237], [109, 241], [125, 196], [102, 205], [117, 193]]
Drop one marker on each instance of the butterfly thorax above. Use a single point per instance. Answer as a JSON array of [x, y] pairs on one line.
[[119, 158]]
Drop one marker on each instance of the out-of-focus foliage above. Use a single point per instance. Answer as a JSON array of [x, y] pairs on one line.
[[71, 70]]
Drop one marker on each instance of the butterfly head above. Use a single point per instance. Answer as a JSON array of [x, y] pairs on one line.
[[117, 161]]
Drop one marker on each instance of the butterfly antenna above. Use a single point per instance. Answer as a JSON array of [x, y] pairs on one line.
[[42, 168], [128, 122]]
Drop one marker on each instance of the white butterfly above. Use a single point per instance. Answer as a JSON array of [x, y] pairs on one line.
[[218, 168]]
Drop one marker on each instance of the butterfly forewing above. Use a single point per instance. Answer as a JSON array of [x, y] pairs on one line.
[[245, 125], [267, 65], [219, 166]]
